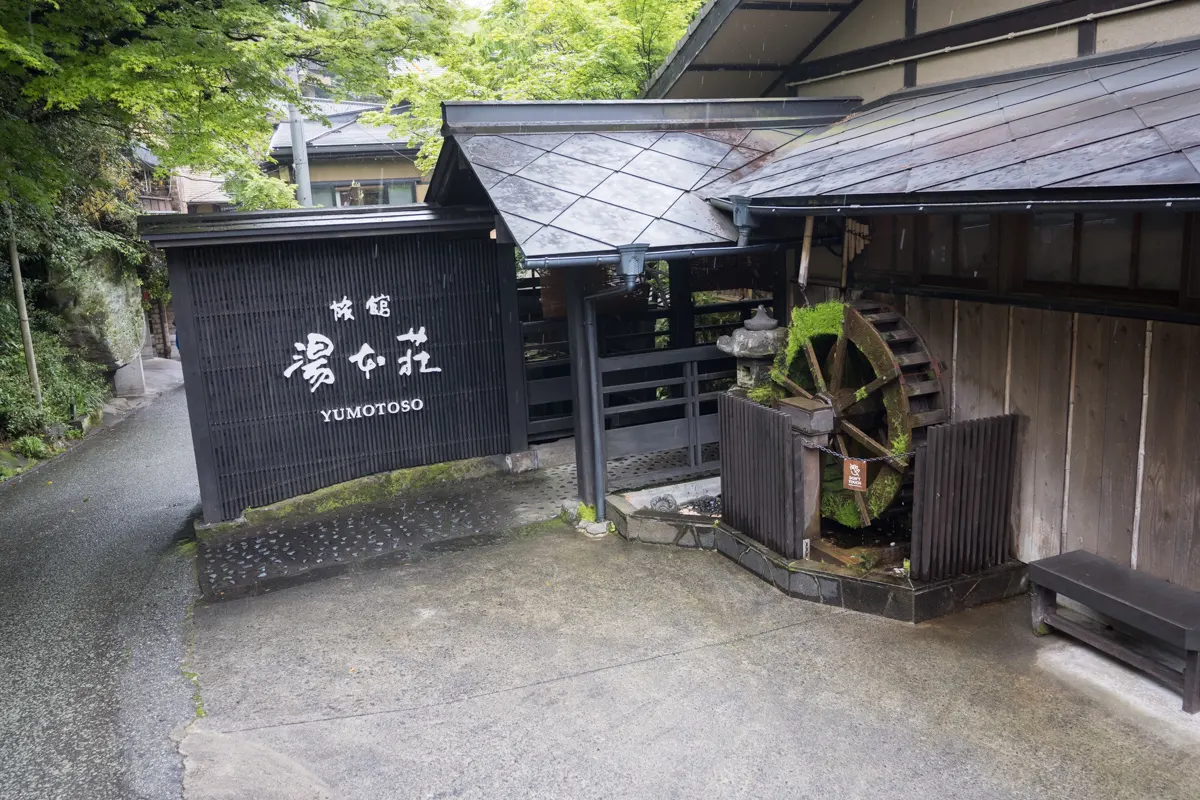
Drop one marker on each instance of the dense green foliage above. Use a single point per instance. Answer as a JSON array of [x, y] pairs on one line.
[[540, 50], [70, 384], [197, 81]]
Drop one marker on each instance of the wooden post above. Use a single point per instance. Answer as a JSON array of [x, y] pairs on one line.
[[683, 323], [581, 396], [22, 313], [1043, 603], [805, 253]]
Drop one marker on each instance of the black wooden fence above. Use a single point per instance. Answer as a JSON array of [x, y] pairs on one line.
[[761, 486], [665, 400], [963, 488], [962, 498]]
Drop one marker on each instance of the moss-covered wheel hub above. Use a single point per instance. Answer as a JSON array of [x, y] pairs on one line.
[[885, 388]]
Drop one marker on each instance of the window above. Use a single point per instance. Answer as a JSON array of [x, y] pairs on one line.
[[1051, 248], [974, 246], [1160, 252], [358, 195], [941, 246], [335, 194], [1105, 249], [956, 249], [401, 192], [323, 196]]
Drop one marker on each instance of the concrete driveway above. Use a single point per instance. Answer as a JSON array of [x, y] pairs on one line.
[[553, 666]]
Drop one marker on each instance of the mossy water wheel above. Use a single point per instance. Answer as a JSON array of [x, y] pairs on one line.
[[885, 387]]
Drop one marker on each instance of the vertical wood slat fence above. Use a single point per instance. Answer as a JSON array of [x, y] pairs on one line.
[[760, 474], [962, 498]]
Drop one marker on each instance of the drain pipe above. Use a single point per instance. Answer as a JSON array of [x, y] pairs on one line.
[[740, 206], [631, 266]]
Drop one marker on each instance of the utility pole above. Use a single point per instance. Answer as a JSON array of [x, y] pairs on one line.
[[299, 149], [22, 313]]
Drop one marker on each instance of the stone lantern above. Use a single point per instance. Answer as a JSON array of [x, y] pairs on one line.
[[754, 345]]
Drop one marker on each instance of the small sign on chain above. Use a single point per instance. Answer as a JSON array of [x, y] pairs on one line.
[[854, 474]]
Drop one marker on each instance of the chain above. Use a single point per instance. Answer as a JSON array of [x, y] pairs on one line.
[[836, 454]]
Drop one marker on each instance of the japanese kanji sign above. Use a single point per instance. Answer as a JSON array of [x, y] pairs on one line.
[[315, 360]]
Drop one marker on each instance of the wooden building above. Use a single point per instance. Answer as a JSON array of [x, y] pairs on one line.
[[1082, 321], [1038, 227]]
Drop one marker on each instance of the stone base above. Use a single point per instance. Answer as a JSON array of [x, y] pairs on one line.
[[882, 595], [130, 380], [656, 527], [525, 461]]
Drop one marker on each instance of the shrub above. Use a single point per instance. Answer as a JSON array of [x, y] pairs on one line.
[[70, 385], [31, 447]]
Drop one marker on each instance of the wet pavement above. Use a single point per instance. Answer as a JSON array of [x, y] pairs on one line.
[[93, 600], [552, 665], [400, 531], [272, 556]]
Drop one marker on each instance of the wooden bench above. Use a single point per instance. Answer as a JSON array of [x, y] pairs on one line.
[[1167, 613]]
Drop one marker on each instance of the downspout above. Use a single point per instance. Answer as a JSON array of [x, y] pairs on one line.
[[740, 206], [631, 266]]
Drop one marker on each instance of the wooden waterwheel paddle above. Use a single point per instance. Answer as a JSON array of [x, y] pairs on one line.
[[885, 388]]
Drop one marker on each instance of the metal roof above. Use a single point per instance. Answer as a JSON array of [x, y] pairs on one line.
[[587, 177], [182, 230], [1116, 124], [344, 135]]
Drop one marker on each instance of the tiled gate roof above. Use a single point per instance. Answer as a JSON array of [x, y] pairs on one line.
[[584, 192], [630, 173], [585, 182]]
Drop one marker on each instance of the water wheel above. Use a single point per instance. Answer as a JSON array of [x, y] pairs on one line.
[[885, 388]]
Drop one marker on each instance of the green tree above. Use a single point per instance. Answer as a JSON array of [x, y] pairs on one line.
[[538, 50], [197, 81]]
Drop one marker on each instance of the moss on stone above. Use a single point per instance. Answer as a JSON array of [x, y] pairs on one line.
[[585, 513], [357, 492], [765, 395]]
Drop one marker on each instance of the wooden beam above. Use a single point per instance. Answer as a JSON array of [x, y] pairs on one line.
[[1087, 38], [1049, 13], [789, 5], [816, 42], [910, 30], [737, 67], [858, 435], [859, 500], [875, 385], [814, 366]]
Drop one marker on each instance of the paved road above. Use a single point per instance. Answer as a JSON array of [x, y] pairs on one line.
[[553, 666], [93, 600]]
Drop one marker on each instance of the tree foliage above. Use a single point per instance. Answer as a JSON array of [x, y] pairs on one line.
[[196, 81], [539, 50]]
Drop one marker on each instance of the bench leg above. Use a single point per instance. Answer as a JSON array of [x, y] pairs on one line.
[[1043, 602], [1191, 683]]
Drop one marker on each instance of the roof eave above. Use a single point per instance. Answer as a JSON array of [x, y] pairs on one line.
[[1184, 197], [309, 223], [473, 117]]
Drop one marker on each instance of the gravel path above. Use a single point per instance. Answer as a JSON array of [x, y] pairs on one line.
[[93, 600]]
